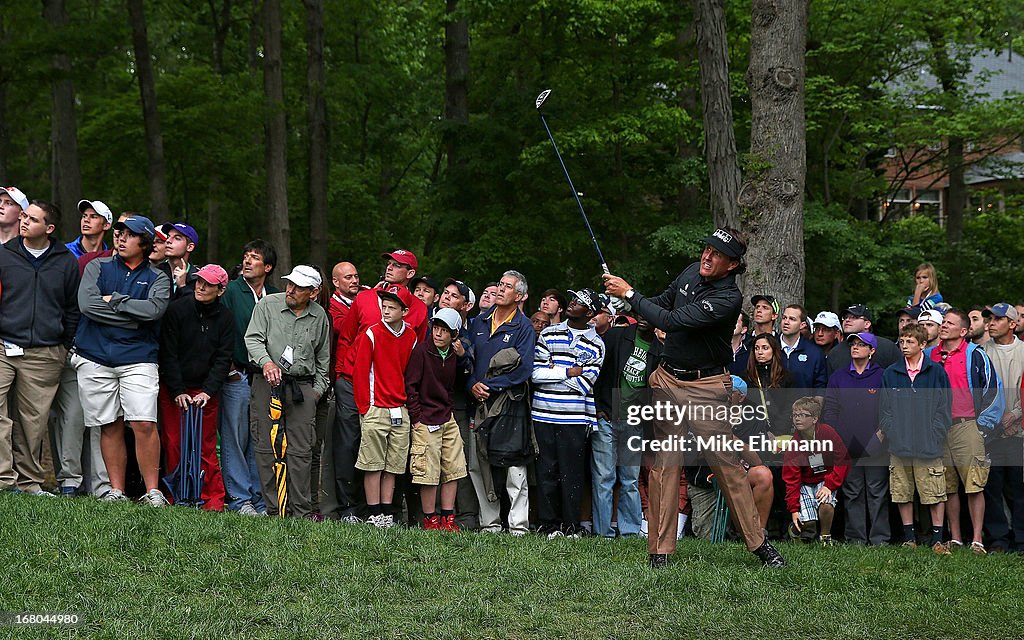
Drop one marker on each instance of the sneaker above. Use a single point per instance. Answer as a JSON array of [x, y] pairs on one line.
[[941, 549], [448, 524], [374, 520], [114, 495], [41, 493], [643, 528], [314, 516], [432, 523], [154, 498], [909, 544], [826, 540], [248, 510], [557, 533], [351, 519], [955, 545], [517, 533], [385, 521], [658, 560], [69, 492], [978, 549]]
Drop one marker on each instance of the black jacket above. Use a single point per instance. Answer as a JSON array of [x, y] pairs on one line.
[[698, 317], [195, 346], [772, 411], [38, 306], [618, 344]]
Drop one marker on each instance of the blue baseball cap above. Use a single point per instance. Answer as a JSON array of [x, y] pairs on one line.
[[739, 384], [182, 228], [139, 225]]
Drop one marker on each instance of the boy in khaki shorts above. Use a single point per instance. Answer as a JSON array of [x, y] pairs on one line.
[[378, 385], [914, 416], [437, 455]]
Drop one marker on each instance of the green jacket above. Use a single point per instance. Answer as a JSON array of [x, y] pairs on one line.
[[239, 300]]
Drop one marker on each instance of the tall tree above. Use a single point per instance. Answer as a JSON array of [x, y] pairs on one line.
[[157, 169], [220, 17], [275, 129], [317, 122], [774, 187], [719, 136], [4, 141], [456, 86], [66, 174]]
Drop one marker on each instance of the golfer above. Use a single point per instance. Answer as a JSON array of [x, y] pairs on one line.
[[698, 313]]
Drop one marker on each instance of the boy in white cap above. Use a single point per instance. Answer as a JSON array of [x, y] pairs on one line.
[[12, 203], [96, 220]]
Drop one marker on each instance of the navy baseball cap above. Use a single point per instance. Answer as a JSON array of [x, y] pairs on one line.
[[139, 225], [727, 243]]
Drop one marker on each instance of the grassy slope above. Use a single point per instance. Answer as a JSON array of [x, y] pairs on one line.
[[140, 572]]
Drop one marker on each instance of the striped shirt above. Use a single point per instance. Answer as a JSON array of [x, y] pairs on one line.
[[557, 398]]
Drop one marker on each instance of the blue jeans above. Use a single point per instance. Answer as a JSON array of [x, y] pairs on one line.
[[605, 445], [237, 450]]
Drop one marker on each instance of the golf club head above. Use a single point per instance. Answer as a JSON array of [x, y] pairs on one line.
[[542, 97]]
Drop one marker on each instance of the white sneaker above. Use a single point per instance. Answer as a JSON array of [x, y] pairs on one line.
[[114, 496], [385, 521], [352, 519], [154, 498], [248, 510], [681, 526], [643, 528]]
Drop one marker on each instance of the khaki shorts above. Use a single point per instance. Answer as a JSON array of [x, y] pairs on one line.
[[109, 392], [437, 457], [926, 474], [965, 458], [382, 446]]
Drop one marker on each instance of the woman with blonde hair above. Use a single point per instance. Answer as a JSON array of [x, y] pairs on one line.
[[926, 289]]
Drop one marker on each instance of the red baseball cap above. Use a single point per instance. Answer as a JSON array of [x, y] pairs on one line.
[[403, 256], [214, 274]]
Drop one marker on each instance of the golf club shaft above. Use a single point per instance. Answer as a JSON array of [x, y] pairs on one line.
[[604, 264]]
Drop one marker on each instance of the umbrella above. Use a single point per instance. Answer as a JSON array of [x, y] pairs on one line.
[[185, 483], [721, 514], [279, 442]]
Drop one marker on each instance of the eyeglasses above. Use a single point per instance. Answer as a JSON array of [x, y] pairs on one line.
[[802, 414]]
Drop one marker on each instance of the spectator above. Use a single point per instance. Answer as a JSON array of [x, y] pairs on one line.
[[804, 360], [289, 341], [978, 332], [181, 241], [323, 418], [813, 476], [122, 299], [106, 253], [766, 312], [554, 304], [158, 256], [906, 316], [740, 352], [1019, 331], [977, 410], [378, 380], [38, 319], [566, 363], [12, 203], [827, 331], [858, 319], [425, 288], [602, 320], [438, 454], [851, 407], [488, 295], [631, 355], [540, 322], [345, 434], [197, 338], [931, 320], [1006, 475], [96, 220], [926, 288], [503, 343], [769, 385], [237, 441], [915, 426]]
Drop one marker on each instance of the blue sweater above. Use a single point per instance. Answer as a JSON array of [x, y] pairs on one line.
[[915, 416], [806, 363], [125, 330], [517, 333]]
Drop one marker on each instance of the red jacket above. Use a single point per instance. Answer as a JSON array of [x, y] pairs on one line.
[[380, 361], [338, 310], [796, 470], [365, 312]]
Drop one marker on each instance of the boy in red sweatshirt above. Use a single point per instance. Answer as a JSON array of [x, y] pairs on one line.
[[813, 469], [378, 384], [438, 456]]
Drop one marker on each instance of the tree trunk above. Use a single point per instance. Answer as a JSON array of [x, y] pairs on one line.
[[213, 196], [719, 136], [279, 231], [4, 135], [317, 122], [221, 28], [456, 88], [150, 115], [956, 204], [688, 195], [66, 176], [773, 190]]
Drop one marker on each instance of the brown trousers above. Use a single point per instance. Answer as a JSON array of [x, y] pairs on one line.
[[34, 377], [710, 395]]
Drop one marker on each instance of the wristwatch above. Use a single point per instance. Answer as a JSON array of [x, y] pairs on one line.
[[629, 294]]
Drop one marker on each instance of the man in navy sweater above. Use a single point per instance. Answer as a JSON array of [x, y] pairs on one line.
[[804, 360]]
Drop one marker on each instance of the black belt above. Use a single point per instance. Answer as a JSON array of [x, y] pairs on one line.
[[957, 421], [688, 375]]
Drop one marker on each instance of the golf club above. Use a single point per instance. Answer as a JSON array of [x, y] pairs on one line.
[[540, 102]]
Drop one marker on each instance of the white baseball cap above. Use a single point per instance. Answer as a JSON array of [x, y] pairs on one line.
[[99, 207], [828, 319], [930, 315], [303, 276], [18, 196], [449, 318]]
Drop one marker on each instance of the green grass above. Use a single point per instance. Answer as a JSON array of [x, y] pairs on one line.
[[167, 573]]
